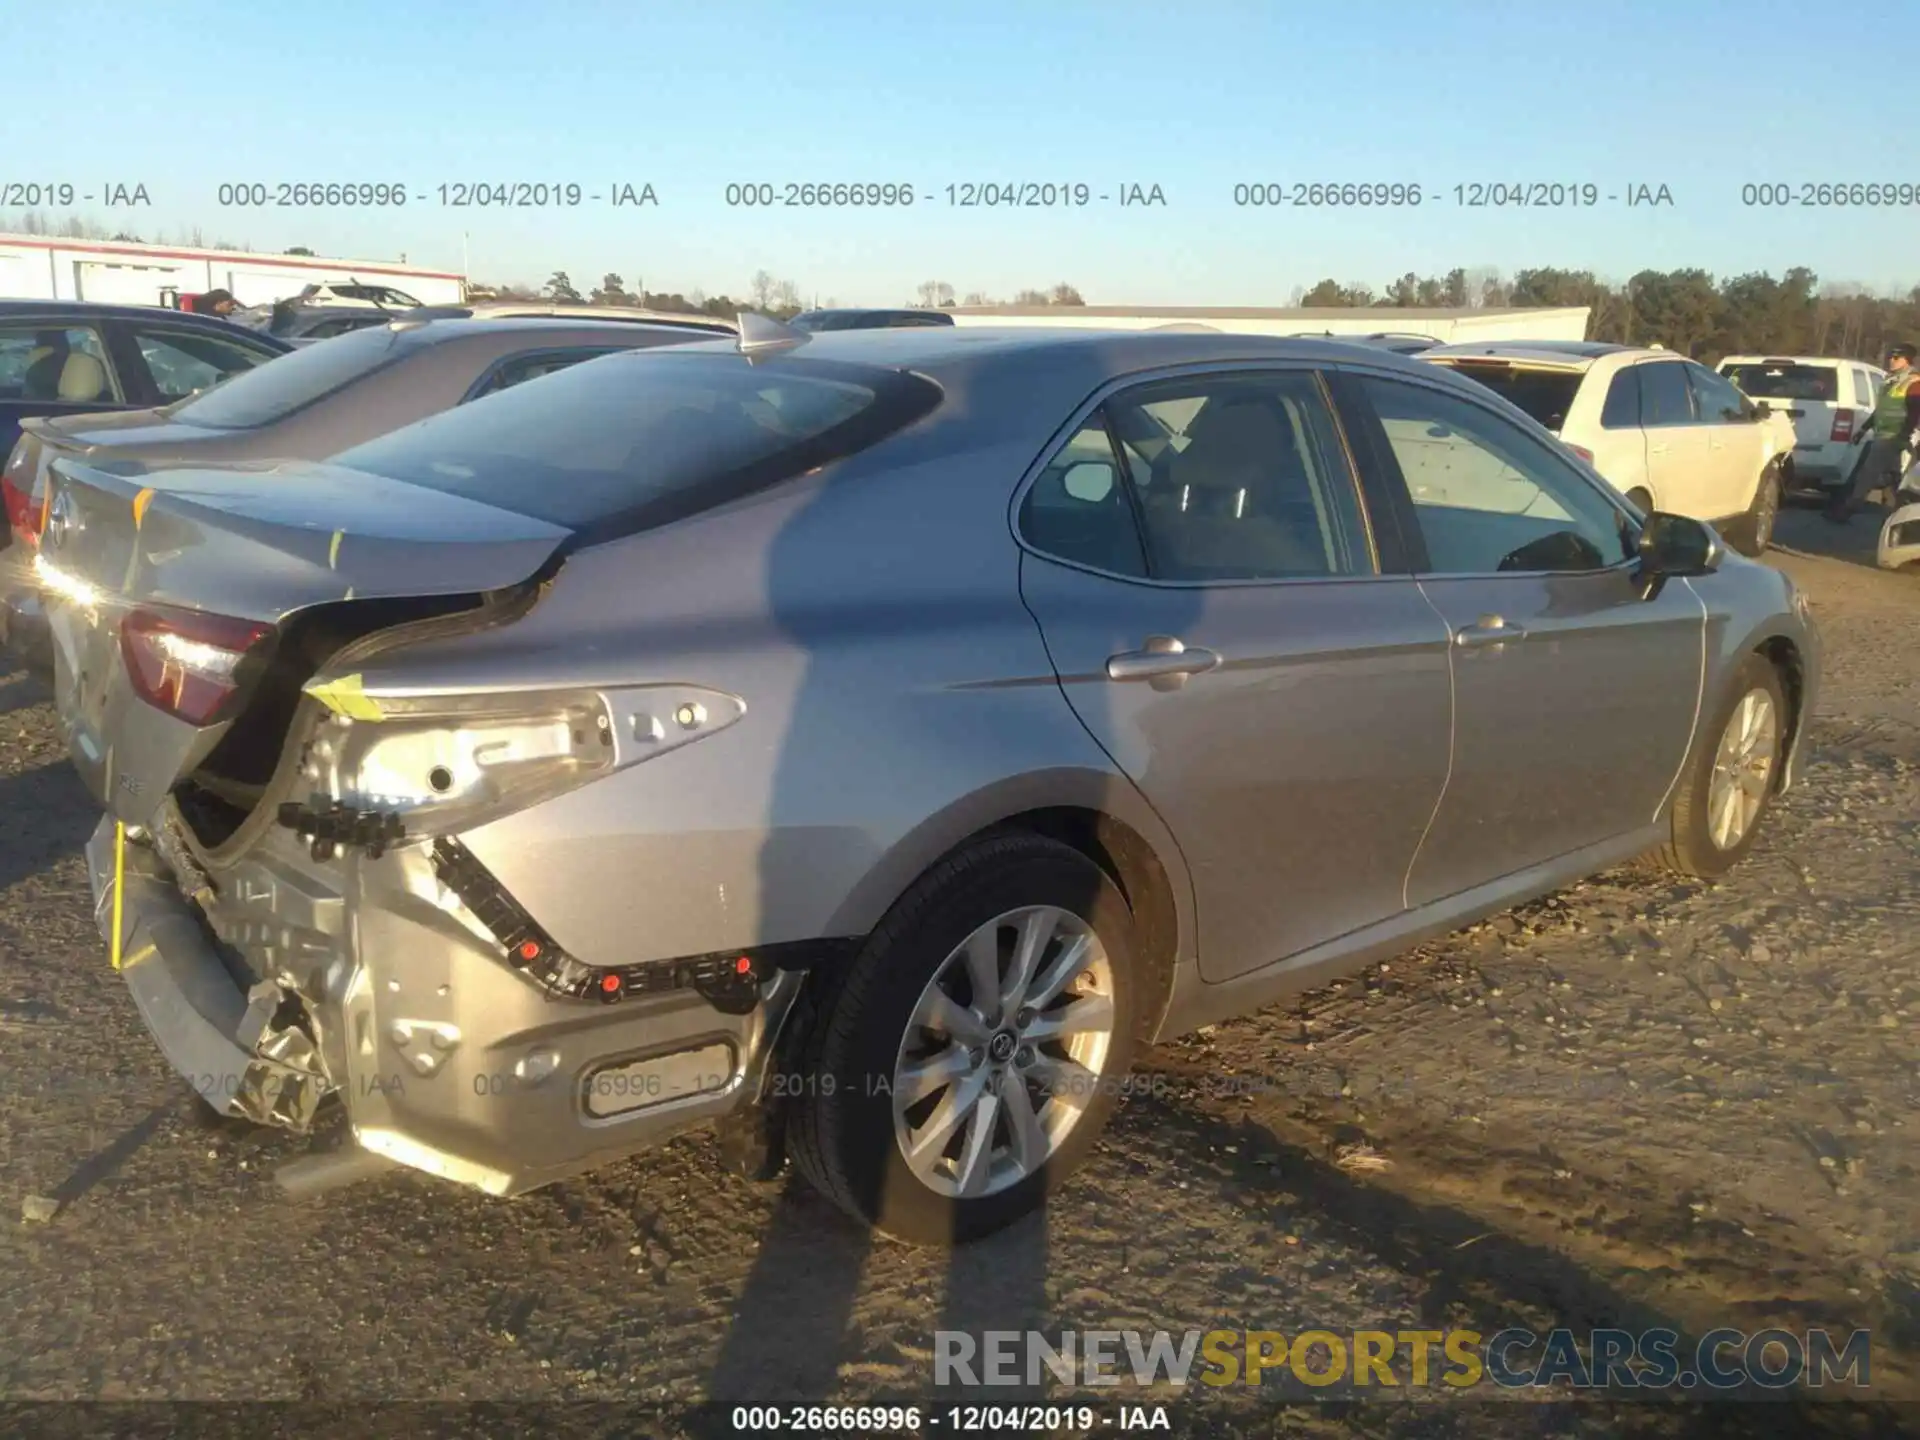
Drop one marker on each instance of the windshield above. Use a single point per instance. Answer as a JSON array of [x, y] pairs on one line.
[[276, 389], [645, 431], [1546, 395], [1786, 382]]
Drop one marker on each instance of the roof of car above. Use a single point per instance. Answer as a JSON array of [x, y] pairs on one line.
[[87, 309], [1834, 360], [932, 348], [532, 309], [1550, 352]]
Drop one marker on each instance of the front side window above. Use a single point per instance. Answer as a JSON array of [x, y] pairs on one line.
[[183, 361], [1242, 477], [1077, 509], [1487, 496], [1717, 402], [1665, 396], [54, 363]]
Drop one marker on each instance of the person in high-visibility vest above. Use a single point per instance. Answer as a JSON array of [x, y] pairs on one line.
[[1896, 429]]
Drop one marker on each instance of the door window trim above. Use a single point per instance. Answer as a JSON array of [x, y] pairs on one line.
[[1366, 421], [1095, 406]]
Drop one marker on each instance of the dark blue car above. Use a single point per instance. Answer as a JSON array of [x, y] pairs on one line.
[[66, 357]]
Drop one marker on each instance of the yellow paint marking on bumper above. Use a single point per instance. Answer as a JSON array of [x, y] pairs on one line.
[[140, 504], [119, 884], [346, 696]]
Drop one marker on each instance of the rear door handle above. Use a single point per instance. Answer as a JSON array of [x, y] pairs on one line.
[[1488, 630], [1165, 662]]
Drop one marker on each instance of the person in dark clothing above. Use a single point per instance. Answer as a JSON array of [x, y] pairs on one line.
[[1896, 430], [217, 302]]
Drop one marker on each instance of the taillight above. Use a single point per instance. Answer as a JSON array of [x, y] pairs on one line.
[[1842, 426], [183, 662], [19, 504], [1582, 451]]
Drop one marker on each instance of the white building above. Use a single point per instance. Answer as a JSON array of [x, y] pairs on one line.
[[1449, 327], [51, 267]]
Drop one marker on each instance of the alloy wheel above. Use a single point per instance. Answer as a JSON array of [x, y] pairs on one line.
[[1004, 1052], [1742, 769]]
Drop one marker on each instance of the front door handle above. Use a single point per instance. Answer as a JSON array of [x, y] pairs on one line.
[[1487, 631], [1165, 662]]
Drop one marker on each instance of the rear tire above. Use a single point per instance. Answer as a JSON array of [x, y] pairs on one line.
[[1740, 752], [889, 1065]]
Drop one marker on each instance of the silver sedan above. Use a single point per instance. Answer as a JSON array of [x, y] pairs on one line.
[[870, 741]]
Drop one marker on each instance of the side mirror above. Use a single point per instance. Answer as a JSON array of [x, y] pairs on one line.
[[1089, 481], [1675, 545]]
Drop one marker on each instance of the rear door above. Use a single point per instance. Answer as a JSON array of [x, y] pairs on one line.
[[1739, 442], [53, 367], [1680, 456], [1228, 623], [1574, 699]]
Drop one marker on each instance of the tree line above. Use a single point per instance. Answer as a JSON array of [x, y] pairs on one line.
[[1689, 311]]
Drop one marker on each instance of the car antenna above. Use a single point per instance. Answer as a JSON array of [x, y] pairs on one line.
[[762, 335]]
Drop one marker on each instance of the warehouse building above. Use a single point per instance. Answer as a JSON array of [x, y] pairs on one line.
[[51, 267], [1447, 327]]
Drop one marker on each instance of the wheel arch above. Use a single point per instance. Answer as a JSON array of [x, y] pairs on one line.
[[1790, 665], [1099, 814]]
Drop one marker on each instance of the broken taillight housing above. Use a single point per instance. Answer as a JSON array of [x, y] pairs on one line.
[[183, 662], [447, 763], [14, 481]]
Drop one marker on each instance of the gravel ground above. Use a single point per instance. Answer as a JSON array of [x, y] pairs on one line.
[[1633, 1103]]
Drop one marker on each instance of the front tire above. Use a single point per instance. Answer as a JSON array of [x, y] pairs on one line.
[[1731, 779], [962, 1066], [1756, 528]]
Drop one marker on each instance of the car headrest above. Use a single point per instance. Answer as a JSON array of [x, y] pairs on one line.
[[82, 378]]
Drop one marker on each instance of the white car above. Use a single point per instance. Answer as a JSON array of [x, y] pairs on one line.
[[1668, 433], [1830, 404]]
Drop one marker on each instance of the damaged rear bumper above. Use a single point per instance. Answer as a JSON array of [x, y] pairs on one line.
[[285, 981]]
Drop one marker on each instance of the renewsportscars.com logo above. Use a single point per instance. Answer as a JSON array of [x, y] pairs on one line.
[[1721, 1360]]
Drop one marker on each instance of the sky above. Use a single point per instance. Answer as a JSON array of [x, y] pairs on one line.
[[1196, 98]]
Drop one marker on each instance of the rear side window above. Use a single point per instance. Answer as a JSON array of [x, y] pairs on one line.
[[642, 437], [272, 392], [1665, 396], [1622, 408], [1787, 382], [1077, 508], [1546, 395], [1863, 389], [184, 361]]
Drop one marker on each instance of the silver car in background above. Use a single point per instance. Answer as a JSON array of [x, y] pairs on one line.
[[321, 398], [869, 742]]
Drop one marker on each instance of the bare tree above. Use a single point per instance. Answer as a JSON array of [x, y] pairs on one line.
[[934, 293], [786, 298], [760, 291], [976, 297]]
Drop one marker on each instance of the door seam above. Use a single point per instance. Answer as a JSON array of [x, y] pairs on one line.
[[1453, 722]]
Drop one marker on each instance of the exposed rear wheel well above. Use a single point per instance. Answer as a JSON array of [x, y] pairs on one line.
[[1131, 864], [1784, 656]]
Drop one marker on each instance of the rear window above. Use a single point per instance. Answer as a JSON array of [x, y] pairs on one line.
[[1786, 382], [638, 438], [1546, 395], [275, 390]]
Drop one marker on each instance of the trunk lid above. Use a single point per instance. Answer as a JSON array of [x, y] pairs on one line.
[[151, 579]]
